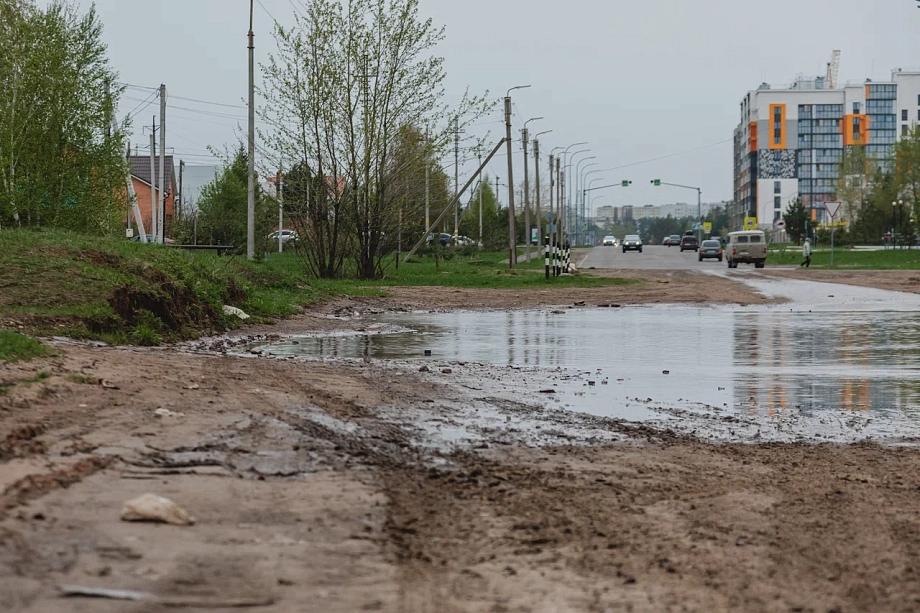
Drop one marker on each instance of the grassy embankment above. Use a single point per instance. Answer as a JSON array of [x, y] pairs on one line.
[[847, 259], [57, 283]]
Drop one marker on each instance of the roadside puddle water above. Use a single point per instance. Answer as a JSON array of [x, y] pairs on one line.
[[668, 362]]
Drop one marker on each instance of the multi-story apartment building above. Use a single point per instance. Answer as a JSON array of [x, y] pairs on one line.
[[791, 141]]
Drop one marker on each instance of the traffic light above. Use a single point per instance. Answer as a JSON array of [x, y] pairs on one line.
[[656, 182], [625, 183]]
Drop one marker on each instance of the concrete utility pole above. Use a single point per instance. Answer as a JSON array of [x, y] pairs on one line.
[[154, 229], [279, 196], [456, 177], [524, 136], [251, 194], [559, 210], [427, 185], [536, 170], [179, 199], [526, 199], [479, 155], [512, 231], [551, 213], [163, 191]]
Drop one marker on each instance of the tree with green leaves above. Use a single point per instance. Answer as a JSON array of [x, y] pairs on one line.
[[853, 185], [494, 219], [796, 218], [350, 83], [222, 207], [61, 164]]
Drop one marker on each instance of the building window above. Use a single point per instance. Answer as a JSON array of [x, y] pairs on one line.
[[777, 215], [777, 203], [903, 114], [777, 187], [856, 108]]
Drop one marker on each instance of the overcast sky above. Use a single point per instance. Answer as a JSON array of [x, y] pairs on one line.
[[639, 80]]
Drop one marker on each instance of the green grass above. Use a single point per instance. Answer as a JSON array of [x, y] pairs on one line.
[[907, 259], [118, 291], [15, 347]]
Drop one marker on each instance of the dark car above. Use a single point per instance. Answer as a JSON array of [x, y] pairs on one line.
[[711, 249], [444, 238], [689, 242], [632, 243], [672, 240]]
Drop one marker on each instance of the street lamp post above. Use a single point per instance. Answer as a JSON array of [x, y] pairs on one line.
[[512, 232], [524, 135], [565, 156], [699, 202], [537, 187], [573, 182], [579, 176]]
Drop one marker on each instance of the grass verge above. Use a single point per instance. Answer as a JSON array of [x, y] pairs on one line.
[[893, 259], [15, 347], [123, 292]]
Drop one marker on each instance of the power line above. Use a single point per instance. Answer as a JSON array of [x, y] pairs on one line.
[[231, 106], [665, 157]]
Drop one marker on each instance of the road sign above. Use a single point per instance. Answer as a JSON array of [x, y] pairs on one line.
[[832, 208], [779, 224], [656, 182], [697, 227], [550, 218], [750, 223], [707, 227]]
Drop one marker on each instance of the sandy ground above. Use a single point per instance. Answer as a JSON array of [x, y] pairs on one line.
[[315, 488], [896, 280]]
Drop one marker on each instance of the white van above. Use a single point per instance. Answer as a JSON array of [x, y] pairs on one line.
[[748, 247]]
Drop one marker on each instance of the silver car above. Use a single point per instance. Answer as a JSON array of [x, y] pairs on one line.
[[710, 249]]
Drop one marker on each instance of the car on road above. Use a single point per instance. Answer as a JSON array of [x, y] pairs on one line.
[[689, 242], [610, 241], [747, 247], [632, 242], [710, 249], [672, 240]]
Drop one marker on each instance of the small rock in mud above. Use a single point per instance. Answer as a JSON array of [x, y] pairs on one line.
[[666, 372], [424, 369], [446, 371], [558, 312], [547, 391]]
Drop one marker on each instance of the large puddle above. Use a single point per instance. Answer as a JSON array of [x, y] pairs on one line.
[[618, 362]]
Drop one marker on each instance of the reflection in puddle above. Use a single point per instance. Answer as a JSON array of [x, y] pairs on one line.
[[751, 362]]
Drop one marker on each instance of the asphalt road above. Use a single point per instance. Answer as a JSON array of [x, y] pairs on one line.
[[653, 257]]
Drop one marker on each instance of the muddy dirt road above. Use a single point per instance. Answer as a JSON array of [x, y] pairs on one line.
[[342, 486]]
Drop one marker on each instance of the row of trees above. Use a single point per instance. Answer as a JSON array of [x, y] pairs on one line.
[[61, 163]]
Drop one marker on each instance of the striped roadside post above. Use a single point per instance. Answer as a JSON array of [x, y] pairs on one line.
[[546, 255]]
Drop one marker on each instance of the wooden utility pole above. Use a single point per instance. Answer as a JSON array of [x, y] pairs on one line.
[[179, 201]]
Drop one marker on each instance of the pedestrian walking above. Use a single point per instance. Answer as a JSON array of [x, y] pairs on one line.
[[806, 251]]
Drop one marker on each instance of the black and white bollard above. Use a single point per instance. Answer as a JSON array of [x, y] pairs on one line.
[[546, 255], [565, 263]]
